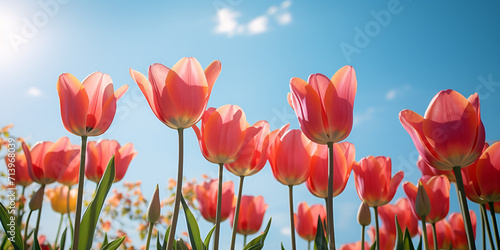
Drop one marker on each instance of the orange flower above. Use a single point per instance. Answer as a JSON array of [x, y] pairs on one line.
[[206, 195], [451, 134], [99, 154], [317, 183], [457, 224], [88, 108], [387, 239], [290, 156], [428, 170], [438, 190], [324, 106], [251, 214], [354, 246], [178, 96], [70, 176], [18, 162], [488, 173], [444, 234], [224, 133], [253, 156], [306, 220], [59, 199], [406, 218], [372, 176], [472, 186], [47, 161]]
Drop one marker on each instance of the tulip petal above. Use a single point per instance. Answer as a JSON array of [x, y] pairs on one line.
[[74, 103], [393, 185], [212, 73], [146, 89], [488, 173], [345, 83], [123, 157]]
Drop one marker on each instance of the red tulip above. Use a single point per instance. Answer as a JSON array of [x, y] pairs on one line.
[[99, 154], [317, 183], [20, 165], [178, 96], [224, 133], [88, 108], [430, 171], [438, 190], [251, 214], [47, 161], [387, 239], [306, 220], [406, 218], [457, 224], [206, 195], [70, 176], [472, 186], [372, 176], [451, 134], [253, 156], [444, 234], [488, 173], [290, 156], [354, 246], [324, 106]]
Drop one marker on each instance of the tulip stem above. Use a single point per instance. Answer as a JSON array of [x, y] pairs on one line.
[[329, 199], [219, 206], [58, 231], [292, 223], [150, 231], [308, 245], [26, 229], [424, 229], [170, 242], [39, 212], [377, 227], [483, 229], [237, 213], [244, 240], [363, 237], [464, 208], [494, 219], [69, 213], [434, 235], [20, 212], [79, 201], [484, 219]]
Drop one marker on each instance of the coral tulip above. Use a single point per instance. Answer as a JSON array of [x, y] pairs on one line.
[[444, 234], [354, 246], [438, 190], [387, 239], [250, 215], [457, 224], [306, 220], [472, 186], [18, 162], [206, 195], [324, 106], [99, 154], [317, 183], [59, 199], [372, 176], [406, 218], [178, 96], [70, 176], [88, 108], [428, 170], [488, 173]]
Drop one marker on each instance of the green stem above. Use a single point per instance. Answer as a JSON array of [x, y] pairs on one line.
[[377, 228], [484, 219], [362, 237], [329, 199], [237, 213], [150, 231], [424, 229], [79, 201], [58, 231], [308, 245], [494, 219], [464, 208], [39, 212], [26, 229], [178, 190], [244, 240], [219, 206], [292, 223], [20, 212], [69, 214], [434, 235]]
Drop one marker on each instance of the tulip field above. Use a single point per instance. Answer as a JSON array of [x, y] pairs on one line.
[[193, 126]]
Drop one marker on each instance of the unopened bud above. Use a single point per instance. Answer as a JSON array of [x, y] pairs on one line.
[[37, 199], [422, 202], [154, 208], [364, 215]]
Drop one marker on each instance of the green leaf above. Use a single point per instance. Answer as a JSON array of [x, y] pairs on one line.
[[5, 243], [113, 245], [158, 245], [282, 247], [206, 243], [374, 245], [258, 242], [399, 239], [105, 241], [320, 242], [91, 216], [16, 240], [408, 244], [164, 247], [63, 239], [193, 229], [36, 244], [181, 245], [419, 247]]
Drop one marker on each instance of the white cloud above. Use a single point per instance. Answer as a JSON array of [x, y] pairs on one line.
[[390, 94], [34, 92], [364, 117], [272, 10], [397, 92], [286, 4], [227, 23], [284, 18], [258, 25], [286, 231]]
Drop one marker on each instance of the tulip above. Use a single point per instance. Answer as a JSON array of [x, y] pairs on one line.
[[428, 170], [59, 199], [372, 177], [207, 197], [406, 219], [496, 207], [18, 162], [99, 154], [438, 191], [153, 214], [355, 246], [70, 176], [250, 216], [364, 219], [306, 220], [450, 136], [386, 240], [444, 235], [457, 224]]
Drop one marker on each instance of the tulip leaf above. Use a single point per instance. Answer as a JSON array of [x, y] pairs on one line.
[[113, 245], [258, 242], [282, 247], [158, 244], [165, 239], [399, 239], [209, 236], [15, 234], [374, 245], [105, 241], [36, 244], [91, 216], [193, 229], [320, 242], [63, 239], [181, 245], [408, 244], [419, 247], [5, 243]]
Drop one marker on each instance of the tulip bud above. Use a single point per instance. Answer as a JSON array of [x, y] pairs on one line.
[[37, 199], [154, 207], [422, 202], [364, 215]]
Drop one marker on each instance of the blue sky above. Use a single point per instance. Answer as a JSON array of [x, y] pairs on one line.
[[401, 62]]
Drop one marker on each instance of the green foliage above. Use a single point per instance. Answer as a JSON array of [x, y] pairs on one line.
[[17, 241], [403, 242], [63, 239], [258, 242], [113, 245], [320, 241]]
